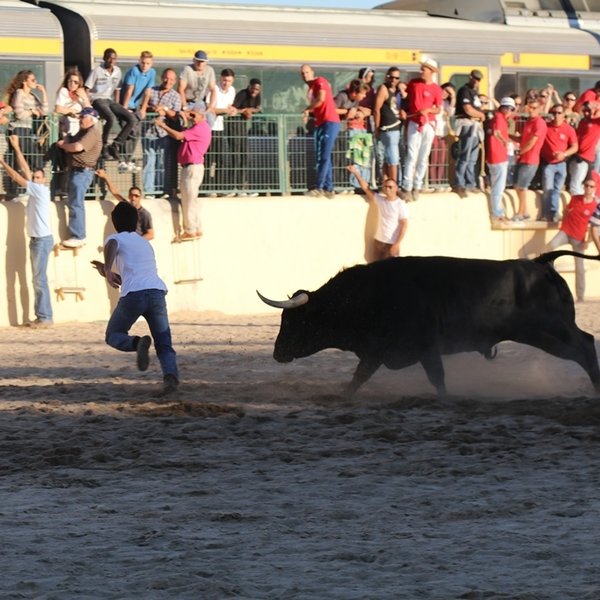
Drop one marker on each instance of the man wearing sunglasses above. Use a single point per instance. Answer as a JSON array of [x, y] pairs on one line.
[[559, 144]]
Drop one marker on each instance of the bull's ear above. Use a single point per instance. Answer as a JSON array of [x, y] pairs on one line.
[[294, 302]]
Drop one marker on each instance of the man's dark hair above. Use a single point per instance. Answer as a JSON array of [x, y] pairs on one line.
[[124, 217], [255, 81], [108, 52], [356, 86], [227, 73]]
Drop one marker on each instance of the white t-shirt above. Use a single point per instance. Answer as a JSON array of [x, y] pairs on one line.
[[391, 212], [68, 124], [103, 84], [38, 210], [135, 263], [224, 99]]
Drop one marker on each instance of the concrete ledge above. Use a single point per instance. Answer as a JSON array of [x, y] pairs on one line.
[[275, 244]]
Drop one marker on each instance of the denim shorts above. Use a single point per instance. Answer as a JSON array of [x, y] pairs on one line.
[[525, 175], [391, 146]]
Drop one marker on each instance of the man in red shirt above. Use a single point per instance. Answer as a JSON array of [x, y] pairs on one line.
[[424, 103], [560, 143], [588, 137], [591, 97], [327, 127], [573, 230], [496, 153], [532, 140]]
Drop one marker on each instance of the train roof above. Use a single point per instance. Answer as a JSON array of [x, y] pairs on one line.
[[259, 34], [40, 38]]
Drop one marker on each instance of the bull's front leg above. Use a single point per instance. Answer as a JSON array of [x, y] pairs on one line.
[[365, 368]]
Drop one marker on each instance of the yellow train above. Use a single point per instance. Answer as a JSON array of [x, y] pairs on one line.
[[532, 46]]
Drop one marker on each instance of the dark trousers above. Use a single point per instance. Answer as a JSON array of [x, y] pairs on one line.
[[111, 112]]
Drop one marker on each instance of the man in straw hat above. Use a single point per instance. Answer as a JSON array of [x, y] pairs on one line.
[[424, 103]]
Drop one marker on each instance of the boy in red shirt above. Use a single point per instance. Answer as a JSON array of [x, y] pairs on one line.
[[573, 230], [588, 136]]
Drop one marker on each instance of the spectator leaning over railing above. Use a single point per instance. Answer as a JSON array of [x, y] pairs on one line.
[[196, 83], [592, 97], [195, 141]]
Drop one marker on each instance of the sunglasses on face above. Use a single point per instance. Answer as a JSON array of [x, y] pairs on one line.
[[589, 185], [570, 99], [393, 77]]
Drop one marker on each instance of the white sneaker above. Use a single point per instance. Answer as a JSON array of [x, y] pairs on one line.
[[133, 168], [123, 167], [73, 243]]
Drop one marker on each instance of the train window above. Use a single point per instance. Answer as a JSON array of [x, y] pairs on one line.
[[561, 83], [507, 85]]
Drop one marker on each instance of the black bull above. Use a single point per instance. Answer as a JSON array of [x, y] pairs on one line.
[[401, 311]]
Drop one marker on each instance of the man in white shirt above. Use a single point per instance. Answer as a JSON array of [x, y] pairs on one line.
[[217, 156], [142, 295], [39, 231]]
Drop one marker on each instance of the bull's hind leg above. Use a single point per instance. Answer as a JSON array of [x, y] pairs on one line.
[[365, 368], [570, 343], [434, 367]]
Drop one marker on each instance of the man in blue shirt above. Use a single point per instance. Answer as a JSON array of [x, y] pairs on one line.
[[137, 80]]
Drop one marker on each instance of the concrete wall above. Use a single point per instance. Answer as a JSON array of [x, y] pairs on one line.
[[274, 244]]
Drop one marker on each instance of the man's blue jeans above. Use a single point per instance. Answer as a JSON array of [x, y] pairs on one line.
[[498, 172], [468, 151], [79, 182], [553, 178], [39, 251], [151, 305], [325, 136]]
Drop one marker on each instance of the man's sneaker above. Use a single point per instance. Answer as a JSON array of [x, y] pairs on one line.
[[133, 168], [314, 193], [415, 195], [39, 324], [242, 195], [329, 194], [123, 167], [142, 356], [252, 194], [73, 243]]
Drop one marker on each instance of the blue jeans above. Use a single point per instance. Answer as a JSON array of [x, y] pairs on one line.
[[498, 173], [79, 182], [151, 305], [154, 164], [553, 178], [468, 151], [39, 250], [324, 141]]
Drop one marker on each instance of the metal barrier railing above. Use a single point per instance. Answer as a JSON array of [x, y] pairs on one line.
[[269, 154]]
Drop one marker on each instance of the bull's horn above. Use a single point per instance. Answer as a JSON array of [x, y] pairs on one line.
[[294, 302]]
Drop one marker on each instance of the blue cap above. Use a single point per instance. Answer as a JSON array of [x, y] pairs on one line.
[[89, 112], [201, 55]]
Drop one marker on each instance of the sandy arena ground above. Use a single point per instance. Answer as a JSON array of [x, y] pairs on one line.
[[257, 481]]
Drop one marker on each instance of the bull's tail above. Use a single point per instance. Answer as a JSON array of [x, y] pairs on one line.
[[550, 257]]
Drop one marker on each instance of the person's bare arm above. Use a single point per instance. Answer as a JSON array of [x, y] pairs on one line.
[[101, 173]]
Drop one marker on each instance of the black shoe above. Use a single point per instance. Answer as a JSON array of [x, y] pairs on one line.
[[170, 385], [106, 153], [143, 359], [113, 152]]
